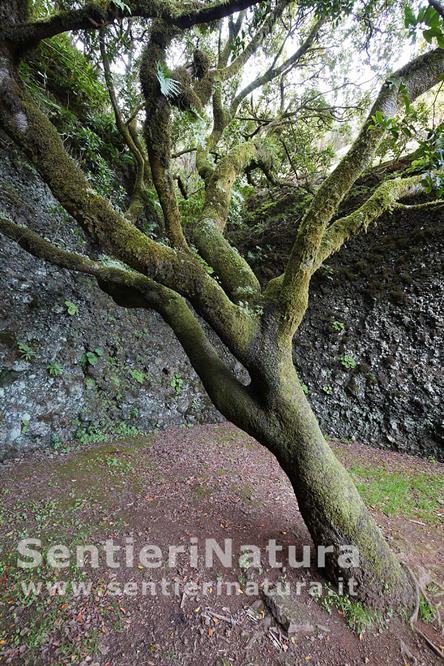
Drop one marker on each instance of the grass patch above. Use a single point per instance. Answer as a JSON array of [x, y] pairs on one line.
[[426, 612], [356, 616], [400, 493], [32, 621], [201, 491], [245, 492]]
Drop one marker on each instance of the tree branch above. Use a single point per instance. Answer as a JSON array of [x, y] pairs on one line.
[[97, 15], [234, 272], [136, 149], [258, 38], [384, 198], [415, 78], [274, 72], [40, 141], [157, 130]]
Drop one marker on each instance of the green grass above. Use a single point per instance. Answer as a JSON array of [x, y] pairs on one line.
[[400, 493], [426, 612], [356, 616], [201, 491]]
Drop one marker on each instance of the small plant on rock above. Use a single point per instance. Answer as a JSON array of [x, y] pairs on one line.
[[92, 357], [54, 369], [177, 382], [347, 361], [25, 351], [338, 325], [138, 376], [71, 308]]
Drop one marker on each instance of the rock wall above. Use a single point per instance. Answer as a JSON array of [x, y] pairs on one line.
[[370, 347], [74, 365], [100, 369]]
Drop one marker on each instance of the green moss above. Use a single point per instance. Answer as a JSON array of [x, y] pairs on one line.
[[201, 491]]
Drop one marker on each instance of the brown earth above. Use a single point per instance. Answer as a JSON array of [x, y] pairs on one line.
[[204, 482]]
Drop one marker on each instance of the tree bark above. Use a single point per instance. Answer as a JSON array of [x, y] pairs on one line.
[[328, 500]]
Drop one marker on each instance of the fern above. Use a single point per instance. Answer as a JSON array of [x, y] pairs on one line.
[[168, 86]]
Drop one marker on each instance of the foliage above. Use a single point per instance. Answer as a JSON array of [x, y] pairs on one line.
[[71, 308], [67, 88], [177, 382], [428, 21], [168, 86], [92, 357], [347, 361], [356, 616], [138, 376], [54, 369], [427, 613], [430, 158], [400, 493], [25, 351]]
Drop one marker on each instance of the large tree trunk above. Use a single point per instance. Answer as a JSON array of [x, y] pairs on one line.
[[328, 500]]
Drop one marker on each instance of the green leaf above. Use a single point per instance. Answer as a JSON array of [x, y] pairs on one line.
[[409, 17], [122, 5], [71, 308], [168, 86]]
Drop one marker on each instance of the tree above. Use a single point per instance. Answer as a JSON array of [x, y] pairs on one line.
[[256, 325]]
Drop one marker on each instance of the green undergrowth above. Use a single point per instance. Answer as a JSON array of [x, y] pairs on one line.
[[356, 616], [404, 493], [32, 618], [427, 612]]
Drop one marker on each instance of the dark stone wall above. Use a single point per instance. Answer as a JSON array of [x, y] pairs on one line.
[[377, 305], [140, 378]]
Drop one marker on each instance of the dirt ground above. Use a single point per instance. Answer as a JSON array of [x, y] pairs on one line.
[[180, 487]]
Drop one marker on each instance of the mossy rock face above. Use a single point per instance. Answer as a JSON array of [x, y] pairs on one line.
[[116, 365]]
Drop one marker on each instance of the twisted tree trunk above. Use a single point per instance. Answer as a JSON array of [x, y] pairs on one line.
[[329, 502]]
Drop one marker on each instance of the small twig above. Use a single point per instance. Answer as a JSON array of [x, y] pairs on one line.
[[224, 618]]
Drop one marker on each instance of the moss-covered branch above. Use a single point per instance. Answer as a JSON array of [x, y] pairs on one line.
[[220, 121], [234, 272], [96, 15], [413, 80], [384, 198], [158, 131], [117, 236]]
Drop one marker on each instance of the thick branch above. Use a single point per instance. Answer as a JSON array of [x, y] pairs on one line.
[[158, 131], [97, 15], [234, 272], [415, 78], [233, 31], [220, 119], [38, 138], [383, 199]]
